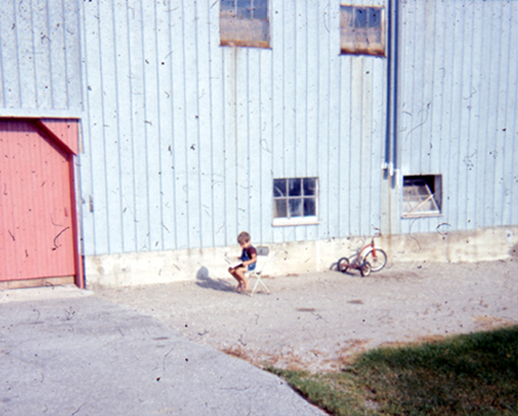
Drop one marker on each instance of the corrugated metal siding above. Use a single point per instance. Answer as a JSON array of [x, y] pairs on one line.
[[458, 78], [183, 137], [40, 58]]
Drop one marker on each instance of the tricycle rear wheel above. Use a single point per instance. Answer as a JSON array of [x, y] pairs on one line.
[[365, 270], [343, 264]]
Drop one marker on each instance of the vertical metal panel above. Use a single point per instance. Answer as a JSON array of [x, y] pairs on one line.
[[229, 197], [108, 124], [277, 36], [302, 74], [457, 106], [179, 132], [242, 137], [11, 88], [40, 58], [206, 149], [332, 168], [140, 123], [510, 215], [264, 178], [216, 80], [37, 232], [191, 114], [165, 124], [94, 136], [312, 97], [324, 50], [253, 195], [122, 124]]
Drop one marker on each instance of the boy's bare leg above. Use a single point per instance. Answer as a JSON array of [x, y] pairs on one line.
[[242, 283], [241, 273]]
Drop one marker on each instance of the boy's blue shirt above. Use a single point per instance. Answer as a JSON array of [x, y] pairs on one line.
[[245, 256]]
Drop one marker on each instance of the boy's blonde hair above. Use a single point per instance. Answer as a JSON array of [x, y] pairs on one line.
[[243, 237]]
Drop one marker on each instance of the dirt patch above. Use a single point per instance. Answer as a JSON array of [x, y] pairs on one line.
[[492, 322], [238, 352]]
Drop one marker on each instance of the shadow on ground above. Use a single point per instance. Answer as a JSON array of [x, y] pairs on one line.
[[205, 281]]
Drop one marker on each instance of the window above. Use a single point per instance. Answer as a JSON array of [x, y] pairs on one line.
[[422, 196], [244, 23], [362, 30], [295, 201]]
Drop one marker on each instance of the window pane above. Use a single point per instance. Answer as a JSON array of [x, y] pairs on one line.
[[295, 187], [295, 207], [244, 9], [310, 186], [346, 13], [279, 188], [260, 9], [227, 8], [416, 188], [280, 208], [375, 17], [310, 207], [361, 18]]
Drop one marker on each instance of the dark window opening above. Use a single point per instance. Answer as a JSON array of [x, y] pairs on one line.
[[422, 196]]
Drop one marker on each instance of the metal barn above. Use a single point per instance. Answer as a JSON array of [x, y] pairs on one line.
[[307, 123]]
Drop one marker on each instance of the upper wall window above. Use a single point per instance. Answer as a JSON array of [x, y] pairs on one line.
[[244, 23], [362, 30], [295, 201]]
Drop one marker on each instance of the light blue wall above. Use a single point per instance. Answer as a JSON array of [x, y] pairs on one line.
[[457, 108], [183, 137]]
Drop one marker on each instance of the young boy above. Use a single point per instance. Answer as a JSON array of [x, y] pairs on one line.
[[249, 259]]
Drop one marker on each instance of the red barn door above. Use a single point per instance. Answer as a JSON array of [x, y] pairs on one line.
[[38, 232]]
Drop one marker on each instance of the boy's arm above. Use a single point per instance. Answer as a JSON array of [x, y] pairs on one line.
[[252, 260]]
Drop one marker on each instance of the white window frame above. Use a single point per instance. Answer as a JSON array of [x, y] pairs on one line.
[[297, 220]]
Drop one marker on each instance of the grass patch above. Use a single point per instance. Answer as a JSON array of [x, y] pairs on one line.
[[475, 374]]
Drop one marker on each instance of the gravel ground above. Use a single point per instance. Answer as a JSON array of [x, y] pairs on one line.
[[320, 321]]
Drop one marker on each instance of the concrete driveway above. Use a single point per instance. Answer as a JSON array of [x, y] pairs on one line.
[[66, 352]]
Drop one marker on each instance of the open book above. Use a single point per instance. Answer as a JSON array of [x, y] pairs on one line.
[[233, 262]]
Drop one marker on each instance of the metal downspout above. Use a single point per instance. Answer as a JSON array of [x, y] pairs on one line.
[[390, 163]]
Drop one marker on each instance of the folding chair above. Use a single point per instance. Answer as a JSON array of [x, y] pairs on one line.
[[262, 259]]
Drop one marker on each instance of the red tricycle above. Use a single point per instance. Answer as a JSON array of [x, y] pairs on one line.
[[369, 259]]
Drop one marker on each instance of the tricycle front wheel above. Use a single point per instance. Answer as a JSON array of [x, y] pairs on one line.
[[377, 262]]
